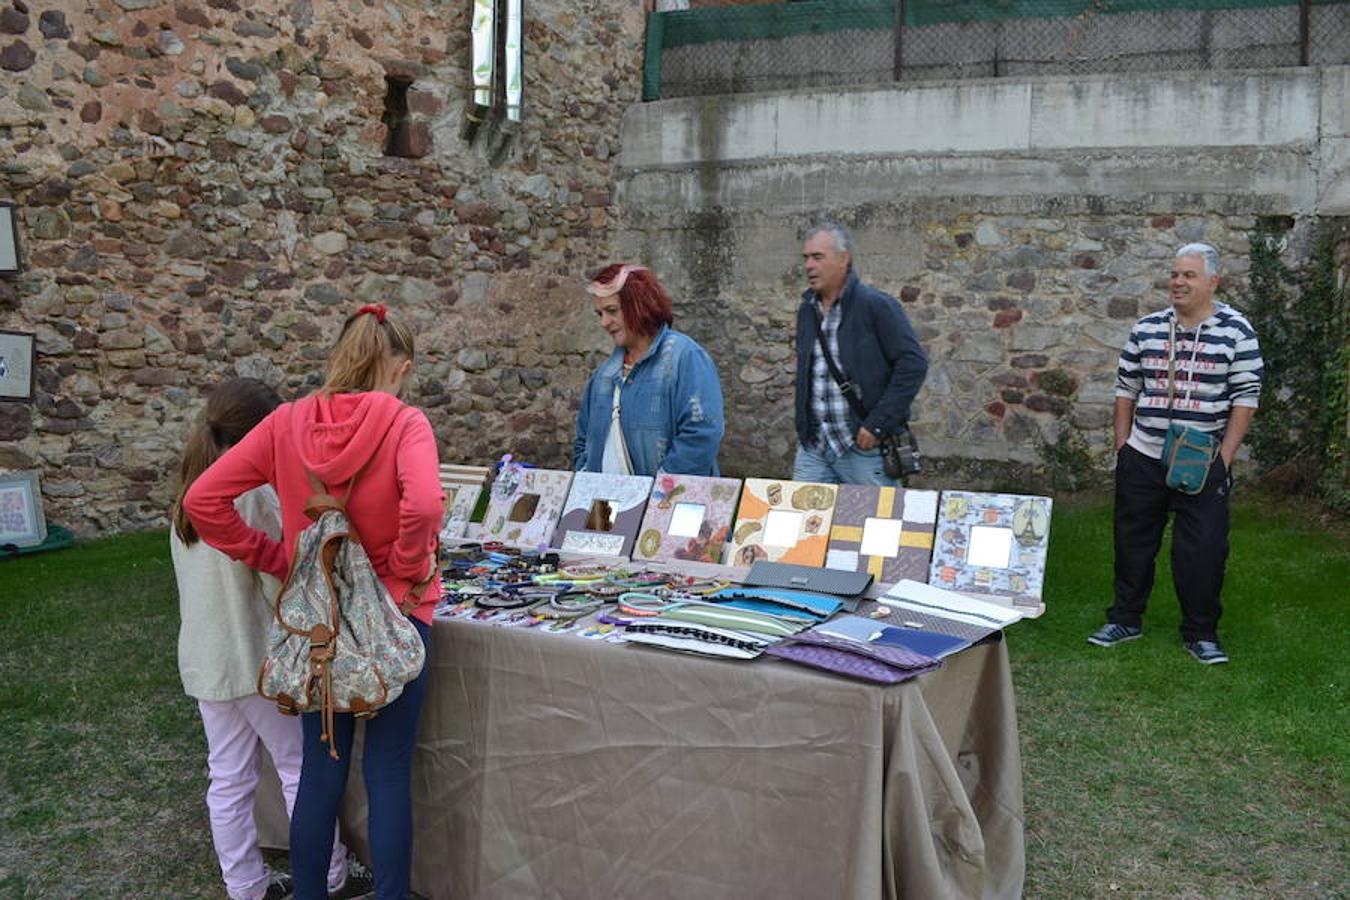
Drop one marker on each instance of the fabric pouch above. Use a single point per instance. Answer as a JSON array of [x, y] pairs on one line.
[[812, 579], [800, 605], [865, 661], [1187, 455], [694, 637]]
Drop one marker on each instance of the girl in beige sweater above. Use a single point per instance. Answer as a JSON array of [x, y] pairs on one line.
[[226, 608]]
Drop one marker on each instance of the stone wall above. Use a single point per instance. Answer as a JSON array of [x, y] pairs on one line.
[[204, 193]]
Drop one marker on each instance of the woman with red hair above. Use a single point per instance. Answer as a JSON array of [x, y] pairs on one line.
[[656, 403]]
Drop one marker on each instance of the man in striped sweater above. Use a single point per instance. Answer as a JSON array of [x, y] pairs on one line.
[[1215, 388]]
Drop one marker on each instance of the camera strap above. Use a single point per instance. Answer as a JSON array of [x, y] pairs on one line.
[[846, 387]]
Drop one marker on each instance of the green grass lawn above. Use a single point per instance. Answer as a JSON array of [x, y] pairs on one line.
[[1150, 775], [1146, 774]]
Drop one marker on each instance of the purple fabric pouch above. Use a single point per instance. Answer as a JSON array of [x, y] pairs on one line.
[[878, 663]]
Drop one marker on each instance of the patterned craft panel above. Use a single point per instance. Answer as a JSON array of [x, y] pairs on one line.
[[463, 485], [910, 618], [717, 496], [515, 484], [908, 557], [627, 498], [992, 544], [808, 505]]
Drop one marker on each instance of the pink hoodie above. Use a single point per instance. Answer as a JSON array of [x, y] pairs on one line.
[[397, 505]]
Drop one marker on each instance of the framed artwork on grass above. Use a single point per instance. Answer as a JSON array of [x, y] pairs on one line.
[[22, 523]]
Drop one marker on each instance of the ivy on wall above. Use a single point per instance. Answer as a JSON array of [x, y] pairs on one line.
[[1302, 318]]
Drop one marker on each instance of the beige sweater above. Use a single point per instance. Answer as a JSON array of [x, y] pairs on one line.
[[225, 607]]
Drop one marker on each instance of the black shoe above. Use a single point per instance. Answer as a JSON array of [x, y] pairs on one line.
[[1207, 652], [360, 882], [1111, 634], [279, 887]]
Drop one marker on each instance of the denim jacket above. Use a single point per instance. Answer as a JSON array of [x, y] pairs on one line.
[[670, 409]]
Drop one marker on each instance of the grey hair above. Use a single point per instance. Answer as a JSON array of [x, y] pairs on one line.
[[843, 240], [1205, 252]]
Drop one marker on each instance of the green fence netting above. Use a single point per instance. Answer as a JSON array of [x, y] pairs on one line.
[[789, 44]]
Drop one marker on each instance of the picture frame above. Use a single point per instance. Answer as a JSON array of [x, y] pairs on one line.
[[18, 364], [524, 505], [993, 545], [782, 521], [462, 486], [22, 523], [602, 513], [886, 531], [10, 259], [689, 517]]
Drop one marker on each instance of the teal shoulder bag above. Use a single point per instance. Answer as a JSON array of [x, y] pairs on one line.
[[1188, 452]]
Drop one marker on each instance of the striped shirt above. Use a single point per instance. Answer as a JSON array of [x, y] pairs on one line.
[[1218, 366], [829, 407]]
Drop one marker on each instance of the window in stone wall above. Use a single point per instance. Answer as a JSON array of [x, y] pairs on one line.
[[399, 139], [493, 116]]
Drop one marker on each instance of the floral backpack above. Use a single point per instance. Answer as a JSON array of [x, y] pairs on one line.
[[338, 641]]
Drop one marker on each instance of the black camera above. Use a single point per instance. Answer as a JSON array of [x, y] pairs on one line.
[[900, 454]]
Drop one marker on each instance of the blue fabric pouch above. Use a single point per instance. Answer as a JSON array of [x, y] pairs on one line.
[[1187, 455], [788, 604], [928, 643]]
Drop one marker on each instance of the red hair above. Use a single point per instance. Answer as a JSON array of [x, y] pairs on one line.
[[645, 304]]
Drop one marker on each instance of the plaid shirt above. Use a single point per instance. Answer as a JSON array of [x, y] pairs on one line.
[[829, 408]]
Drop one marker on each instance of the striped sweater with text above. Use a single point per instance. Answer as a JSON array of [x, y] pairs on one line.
[[1218, 366]]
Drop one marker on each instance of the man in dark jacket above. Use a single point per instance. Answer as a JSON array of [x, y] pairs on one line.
[[875, 349]]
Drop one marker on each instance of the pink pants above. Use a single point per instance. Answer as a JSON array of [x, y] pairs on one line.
[[235, 731]]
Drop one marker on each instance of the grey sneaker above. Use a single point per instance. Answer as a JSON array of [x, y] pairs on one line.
[[1207, 652], [1111, 634], [360, 882]]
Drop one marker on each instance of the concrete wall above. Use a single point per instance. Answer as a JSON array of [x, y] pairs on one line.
[[1023, 224]]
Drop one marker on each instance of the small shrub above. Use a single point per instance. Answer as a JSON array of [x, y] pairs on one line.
[[1302, 320]]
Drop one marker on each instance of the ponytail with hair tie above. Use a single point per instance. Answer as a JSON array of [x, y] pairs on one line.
[[363, 350]]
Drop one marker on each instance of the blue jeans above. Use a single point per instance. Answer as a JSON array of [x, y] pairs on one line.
[[852, 467], [387, 767]]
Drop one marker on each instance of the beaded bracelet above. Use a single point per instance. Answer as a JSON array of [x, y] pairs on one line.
[[584, 572], [551, 578], [603, 589], [502, 600], [636, 603], [637, 580], [567, 606]]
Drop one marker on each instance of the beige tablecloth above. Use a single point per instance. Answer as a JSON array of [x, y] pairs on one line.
[[550, 766]]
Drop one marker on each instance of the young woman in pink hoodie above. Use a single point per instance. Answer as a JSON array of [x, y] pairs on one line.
[[354, 423]]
